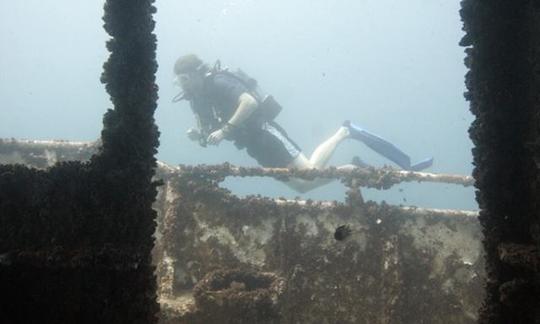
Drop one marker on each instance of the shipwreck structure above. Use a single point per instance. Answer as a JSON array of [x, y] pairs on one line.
[[225, 259], [103, 233], [76, 238]]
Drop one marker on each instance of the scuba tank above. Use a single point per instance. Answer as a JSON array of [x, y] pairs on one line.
[[268, 108], [207, 121]]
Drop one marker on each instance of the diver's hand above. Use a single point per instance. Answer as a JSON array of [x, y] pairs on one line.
[[193, 134], [216, 137]]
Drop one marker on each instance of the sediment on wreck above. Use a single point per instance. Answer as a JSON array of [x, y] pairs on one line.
[[278, 261], [399, 265], [76, 238], [503, 55]]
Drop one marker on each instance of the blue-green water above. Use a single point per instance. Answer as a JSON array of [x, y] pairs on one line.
[[394, 67]]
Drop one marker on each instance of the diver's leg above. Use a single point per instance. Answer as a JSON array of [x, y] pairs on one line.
[[326, 149], [300, 162], [385, 148], [318, 160], [302, 185]]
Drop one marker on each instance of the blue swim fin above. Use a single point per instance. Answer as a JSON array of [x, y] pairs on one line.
[[424, 164], [356, 161], [385, 148]]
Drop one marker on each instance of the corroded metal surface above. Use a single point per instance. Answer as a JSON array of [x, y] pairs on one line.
[[42, 154], [502, 40], [399, 265], [76, 238]]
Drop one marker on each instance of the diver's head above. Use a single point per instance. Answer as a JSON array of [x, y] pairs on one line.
[[190, 71]]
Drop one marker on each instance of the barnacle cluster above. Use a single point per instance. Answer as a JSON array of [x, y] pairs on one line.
[[503, 56], [71, 232]]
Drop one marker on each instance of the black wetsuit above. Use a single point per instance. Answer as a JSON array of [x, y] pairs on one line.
[[265, 141]]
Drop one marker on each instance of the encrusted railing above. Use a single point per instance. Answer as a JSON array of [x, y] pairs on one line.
[[281, 260]]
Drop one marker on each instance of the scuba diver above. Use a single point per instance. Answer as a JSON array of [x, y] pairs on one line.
[[230, 106]]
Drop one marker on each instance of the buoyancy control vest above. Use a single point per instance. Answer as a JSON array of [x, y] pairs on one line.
[[268, 107]]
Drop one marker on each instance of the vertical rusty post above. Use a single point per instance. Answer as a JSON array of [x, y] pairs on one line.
[[354, 195], [503, 84], [165, 266], [76, 238], [390, 278]]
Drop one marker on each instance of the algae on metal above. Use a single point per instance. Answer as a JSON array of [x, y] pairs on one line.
[[400, 263], [502, 43], [76, 237]]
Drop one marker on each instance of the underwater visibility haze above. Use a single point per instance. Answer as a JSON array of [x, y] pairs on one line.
[[393, 67]]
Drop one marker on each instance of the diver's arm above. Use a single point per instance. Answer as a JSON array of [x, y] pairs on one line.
[[246, 106]]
